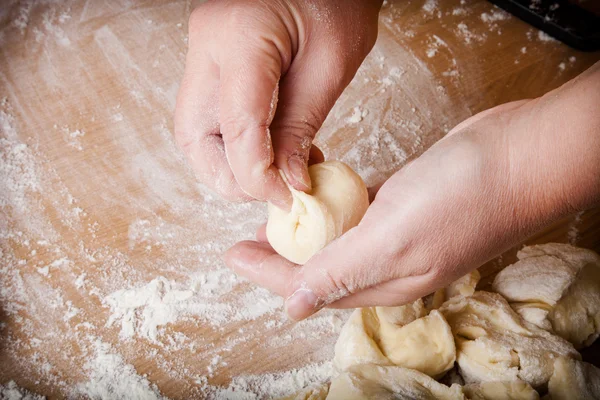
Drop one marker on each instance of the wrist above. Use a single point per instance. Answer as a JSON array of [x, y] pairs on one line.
[[554, 149]]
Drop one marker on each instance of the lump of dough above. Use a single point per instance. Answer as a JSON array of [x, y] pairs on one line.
[[371, 336], [574, 380], [366, 382], [556, 287], [493, 343], [337, 202], [463, 286], [511, 390]]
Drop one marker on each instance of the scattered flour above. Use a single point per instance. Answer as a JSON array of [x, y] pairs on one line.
[[112, 378], [11, 391], [573, 230], [275, 385], [544, 37], [434, 45], [357, 115], [430, 6], [467, 35]]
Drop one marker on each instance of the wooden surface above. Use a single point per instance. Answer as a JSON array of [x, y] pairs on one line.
[[96, 198]]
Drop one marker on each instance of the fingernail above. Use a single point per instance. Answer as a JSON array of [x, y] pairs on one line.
[[301, 304], [299, 171]]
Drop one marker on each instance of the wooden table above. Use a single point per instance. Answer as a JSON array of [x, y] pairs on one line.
[[95, 197]]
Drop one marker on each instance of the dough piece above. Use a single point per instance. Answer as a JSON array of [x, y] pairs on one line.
[[313, 392], [512, 390], [556, 287], [337, 202], [366, 382], [494, 344], [574, 380], [463, 286], [425, 344]]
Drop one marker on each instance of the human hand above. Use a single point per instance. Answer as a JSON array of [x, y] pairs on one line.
[[260, 78], [491, 182]]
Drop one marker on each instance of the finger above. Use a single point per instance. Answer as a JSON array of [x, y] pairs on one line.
[[307, 93], [261, 234], [248, 96], [359, 260], [393, 293], [197, 117], [259, 263]]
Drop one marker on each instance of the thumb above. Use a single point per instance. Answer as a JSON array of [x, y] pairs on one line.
[[351, 264], [307, 93]]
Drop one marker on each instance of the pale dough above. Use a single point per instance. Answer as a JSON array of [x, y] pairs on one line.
[[556, 287], [493, 343], [425, 344], [511, 390], [504, 351], [411, 336], [368, 382], [337, 202], [574, 380]]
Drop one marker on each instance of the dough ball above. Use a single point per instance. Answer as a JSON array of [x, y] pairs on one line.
[[493, 343], [337, 202], [425, 344], [512, 390], [368, 382], [556, 287], [574, 380]]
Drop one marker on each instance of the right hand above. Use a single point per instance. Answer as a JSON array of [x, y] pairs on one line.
[[491, 182], [259, 81]]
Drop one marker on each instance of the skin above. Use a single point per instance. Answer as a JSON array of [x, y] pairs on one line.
[[260, 79], [492, 181]]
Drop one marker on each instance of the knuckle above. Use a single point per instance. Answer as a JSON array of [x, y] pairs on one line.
[[334, 288]]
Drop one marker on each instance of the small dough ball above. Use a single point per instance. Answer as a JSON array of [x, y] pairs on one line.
[[425, 344], [512, 390], [494, 344], [366, 382], [337, 202], [556, 287], [574, 380]]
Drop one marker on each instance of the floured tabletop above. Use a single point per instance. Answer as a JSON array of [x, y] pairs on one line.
[[111, 281]]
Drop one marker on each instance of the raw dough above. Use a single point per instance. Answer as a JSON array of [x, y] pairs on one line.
[[337, 202], [405, 335], [494, 344], [556, 287], [463, 286], [366, 382], [512, 390], [574, 380], [425, 344]]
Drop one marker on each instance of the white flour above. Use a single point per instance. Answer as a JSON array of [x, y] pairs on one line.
[[11, 391], [111, 378]]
